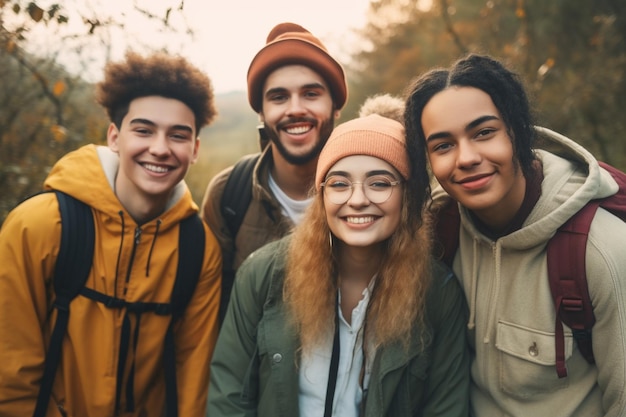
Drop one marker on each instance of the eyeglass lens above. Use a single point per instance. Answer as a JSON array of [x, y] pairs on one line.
[[377, 189]]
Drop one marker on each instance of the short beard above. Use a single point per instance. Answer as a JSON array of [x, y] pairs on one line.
[[325, 130]]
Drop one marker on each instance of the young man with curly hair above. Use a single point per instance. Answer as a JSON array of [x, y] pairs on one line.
[[138, 199]]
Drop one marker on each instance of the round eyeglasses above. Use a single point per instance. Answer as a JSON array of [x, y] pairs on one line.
[[377, 189]]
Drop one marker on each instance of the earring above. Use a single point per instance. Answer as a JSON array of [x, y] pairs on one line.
[[330, 240]]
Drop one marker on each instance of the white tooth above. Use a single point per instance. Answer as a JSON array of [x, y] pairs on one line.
[[360, 220], [155, 168], [298, 130]]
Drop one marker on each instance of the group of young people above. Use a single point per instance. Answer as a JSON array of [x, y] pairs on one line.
[[341, 304]]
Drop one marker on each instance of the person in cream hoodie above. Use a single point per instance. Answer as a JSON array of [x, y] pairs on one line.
[[473, 123]]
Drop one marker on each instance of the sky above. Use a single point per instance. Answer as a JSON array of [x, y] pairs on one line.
[[230, 32], [227, 33]]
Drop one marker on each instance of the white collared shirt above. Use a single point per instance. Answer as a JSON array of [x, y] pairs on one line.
[[314, 369]]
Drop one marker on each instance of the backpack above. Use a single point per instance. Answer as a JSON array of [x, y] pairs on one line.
[[71, 271], [566, 265], [233, 205], [238, 192]]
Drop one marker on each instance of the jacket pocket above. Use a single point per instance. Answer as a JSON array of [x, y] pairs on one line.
[[527, 360]]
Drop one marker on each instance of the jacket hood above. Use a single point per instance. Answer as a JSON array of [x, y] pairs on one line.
[[572, 177], [88, 174]]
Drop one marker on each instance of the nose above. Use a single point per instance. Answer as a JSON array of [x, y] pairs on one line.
[[159, 145], [468, 155], [358, 197], [296, 106]]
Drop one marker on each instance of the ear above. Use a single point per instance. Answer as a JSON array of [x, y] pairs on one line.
[[196, 148], [337, 114], [113, 135]]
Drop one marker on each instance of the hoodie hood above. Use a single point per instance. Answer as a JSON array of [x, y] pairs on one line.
[[572, 177], [88, 174]]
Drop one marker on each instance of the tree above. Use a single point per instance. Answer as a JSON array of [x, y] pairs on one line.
[[572, 56], [49, 58]]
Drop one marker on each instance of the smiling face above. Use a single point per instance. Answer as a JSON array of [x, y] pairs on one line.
[[359, 222], [297, 112], [156, 144], [471, 154]]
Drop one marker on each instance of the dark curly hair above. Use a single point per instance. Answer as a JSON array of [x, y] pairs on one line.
[[484, 73], [160, 75]]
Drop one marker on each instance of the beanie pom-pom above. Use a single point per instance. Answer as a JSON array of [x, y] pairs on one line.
[[284, 28]]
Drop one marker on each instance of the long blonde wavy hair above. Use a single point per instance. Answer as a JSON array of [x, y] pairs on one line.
[[400, 288]]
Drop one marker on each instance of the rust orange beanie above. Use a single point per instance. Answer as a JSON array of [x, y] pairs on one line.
[[291, 44], [373, 135]]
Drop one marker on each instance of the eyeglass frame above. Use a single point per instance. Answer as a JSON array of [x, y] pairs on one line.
[[392, 184]]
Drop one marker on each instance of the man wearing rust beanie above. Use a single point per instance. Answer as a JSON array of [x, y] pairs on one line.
[[291, 44], [298, 90]]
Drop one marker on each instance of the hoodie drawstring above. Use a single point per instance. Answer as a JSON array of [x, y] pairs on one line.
[[473, 284], [495, 291], [154, 238], [119, 252], [136, 308]]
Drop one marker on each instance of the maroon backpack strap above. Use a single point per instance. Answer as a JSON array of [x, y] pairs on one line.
[[616, 203], [567, 271], [568, 284]]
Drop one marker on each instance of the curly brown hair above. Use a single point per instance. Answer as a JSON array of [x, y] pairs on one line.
[[158, 74]]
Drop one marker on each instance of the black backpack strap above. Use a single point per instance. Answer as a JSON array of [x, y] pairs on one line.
[[137, 308], [191, 245], [238, 193], [234, 204], [71, 271]]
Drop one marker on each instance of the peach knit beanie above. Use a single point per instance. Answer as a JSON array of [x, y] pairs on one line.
[[372, 135]]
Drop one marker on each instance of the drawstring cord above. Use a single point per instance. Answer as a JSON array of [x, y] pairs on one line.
[[136, 308], [119, 252], [156, 232]]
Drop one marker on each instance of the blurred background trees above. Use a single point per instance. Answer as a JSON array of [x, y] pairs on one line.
[[572, 55], [47, 106]]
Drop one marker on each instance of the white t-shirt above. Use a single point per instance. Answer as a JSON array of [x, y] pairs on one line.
[[294, 209]]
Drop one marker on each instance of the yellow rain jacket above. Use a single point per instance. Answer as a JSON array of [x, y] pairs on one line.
[[136, 263]]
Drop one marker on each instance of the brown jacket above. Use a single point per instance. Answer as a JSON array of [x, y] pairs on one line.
[[263, 223]]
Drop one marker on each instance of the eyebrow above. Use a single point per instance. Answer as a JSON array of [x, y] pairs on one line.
[[151, 123], [470, 125], [367, 174], [311, 86]]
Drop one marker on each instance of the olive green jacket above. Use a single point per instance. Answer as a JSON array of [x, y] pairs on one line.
[[254, 367]]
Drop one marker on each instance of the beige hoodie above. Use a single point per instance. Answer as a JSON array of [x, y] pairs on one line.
[[512, 315]]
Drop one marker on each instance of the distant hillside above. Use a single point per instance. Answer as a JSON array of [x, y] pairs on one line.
[[232, 135]]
